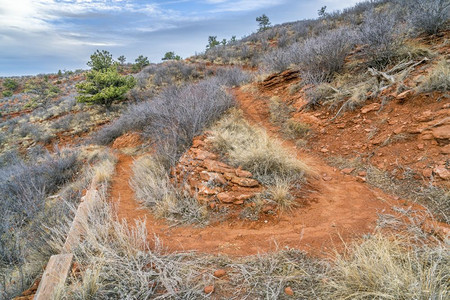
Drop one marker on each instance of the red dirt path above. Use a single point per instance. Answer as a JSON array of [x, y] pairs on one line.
[[337, 211]]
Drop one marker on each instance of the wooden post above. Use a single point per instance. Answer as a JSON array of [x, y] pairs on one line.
[[54, 276]]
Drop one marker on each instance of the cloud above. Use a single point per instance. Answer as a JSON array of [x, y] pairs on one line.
[[242, 5]]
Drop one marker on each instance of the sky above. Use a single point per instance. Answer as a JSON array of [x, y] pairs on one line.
[[44, 36]]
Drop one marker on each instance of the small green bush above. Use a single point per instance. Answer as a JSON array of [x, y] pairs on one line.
[[10, 84], [104, 87]]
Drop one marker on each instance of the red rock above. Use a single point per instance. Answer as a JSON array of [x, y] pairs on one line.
[[362, 173], [370, 107], [361, 179], [398, 130], [288, 291], [347, 171], [405, 94], [203, 154], [441, 132], [427, 136], [225, 197], [243, 197], [266, 209], [245, 182], [211, 176], [442, 172], [212, 205], [325, 177], [219, 273], [445, 149], [425, 116], [217, 166], [204, 190], [238, 202], [427, 172], [324, 150], [242, 173], [209, 289], [197, 143], [340, 126]]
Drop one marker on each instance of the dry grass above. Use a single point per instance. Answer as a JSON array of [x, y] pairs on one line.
[[294, 129], [438, 79], [383, 268], [116, 262], [279, 110], [280, 193], [252, 149], [266, 276], [153, 187]]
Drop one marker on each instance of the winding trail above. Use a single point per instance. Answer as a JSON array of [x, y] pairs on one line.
[[334, 211]]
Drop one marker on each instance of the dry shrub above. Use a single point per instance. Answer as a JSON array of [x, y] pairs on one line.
[[438, 79]]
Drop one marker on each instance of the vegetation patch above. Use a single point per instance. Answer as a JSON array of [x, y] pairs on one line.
[[251, 148]]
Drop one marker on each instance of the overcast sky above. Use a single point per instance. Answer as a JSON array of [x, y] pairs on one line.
[[43, 36]]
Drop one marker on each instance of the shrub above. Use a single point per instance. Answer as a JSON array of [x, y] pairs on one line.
[[172, 119], [104, 87], [281, 59], [171, 56], [100, 61], [234, 76], [279, 110], [10, 84], [323, 56], [428, 16], [140, 63], [24, 187], [382, 36], [438, 79], [7, 94]]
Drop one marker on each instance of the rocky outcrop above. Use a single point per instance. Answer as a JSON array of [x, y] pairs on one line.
[[202, 174]]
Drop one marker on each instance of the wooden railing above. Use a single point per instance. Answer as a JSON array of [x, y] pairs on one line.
[[58, 266]]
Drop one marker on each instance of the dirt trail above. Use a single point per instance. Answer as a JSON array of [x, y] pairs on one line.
[[336, 211]]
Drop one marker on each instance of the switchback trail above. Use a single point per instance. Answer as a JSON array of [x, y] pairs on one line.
[[335, 211]]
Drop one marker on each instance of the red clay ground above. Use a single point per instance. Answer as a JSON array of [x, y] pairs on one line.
[[337, 209]]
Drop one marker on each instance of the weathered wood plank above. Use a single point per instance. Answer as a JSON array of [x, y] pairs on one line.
[[54, 276], [76, 229]]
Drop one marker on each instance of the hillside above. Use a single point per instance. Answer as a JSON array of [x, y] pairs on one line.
[[308, 160]]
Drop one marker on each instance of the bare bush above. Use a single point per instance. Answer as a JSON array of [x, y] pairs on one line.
[[428, 16], [172, 119], [281, 59], [323, 56], [24, 187], [382, 37], [234, 76]]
